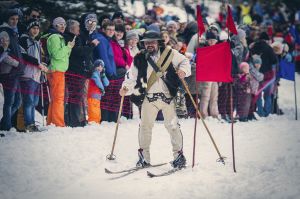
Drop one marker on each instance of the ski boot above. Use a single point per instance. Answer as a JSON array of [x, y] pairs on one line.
[[142, 162], [179, 162]]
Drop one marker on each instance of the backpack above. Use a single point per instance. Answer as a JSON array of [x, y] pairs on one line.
[[45, 54]]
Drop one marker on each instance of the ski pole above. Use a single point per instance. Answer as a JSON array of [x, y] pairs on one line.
[[111, 156], [43, 111], [221, 158]]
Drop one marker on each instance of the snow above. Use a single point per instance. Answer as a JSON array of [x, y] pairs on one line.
[[69, 163]]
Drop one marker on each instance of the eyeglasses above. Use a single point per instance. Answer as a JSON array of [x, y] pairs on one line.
[[110, 29], [92, 22]]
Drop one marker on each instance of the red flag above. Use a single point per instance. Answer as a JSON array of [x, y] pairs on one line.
[[214, 63], [201, 28], [229, 21]]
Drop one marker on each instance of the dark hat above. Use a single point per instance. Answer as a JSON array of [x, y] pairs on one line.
[[11, 12], [104, 16], [264, 36], [153, 27], [119, 28], [151, 36], [118, 14], [31, 23], [211, 35], [98, 62]]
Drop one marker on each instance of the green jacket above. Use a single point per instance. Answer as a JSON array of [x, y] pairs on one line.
[[59, 53]]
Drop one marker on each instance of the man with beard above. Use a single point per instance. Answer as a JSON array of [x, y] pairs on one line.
[[152, 83]]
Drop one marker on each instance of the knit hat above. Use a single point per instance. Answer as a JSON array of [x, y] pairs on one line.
[[4, 35], [241, 34], [264, 36], [256, 60], [132, 34], [91, 17], [277, 47], [215, 26], [98, 62], [211, 35], [172, 23], [153, 27], [244, 64], [58, 20], [118, 14], [32, 23]]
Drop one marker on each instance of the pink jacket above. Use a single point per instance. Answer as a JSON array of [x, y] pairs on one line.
[[122, 56]]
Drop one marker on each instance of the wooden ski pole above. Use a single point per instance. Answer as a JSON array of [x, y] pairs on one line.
[[221, 159], [232, 122], [111, 156], [195, 128], [296, 108]]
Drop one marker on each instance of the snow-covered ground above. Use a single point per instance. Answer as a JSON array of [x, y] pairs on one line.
[[69, 163]]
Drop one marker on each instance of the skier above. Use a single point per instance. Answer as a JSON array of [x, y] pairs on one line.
[[152, 83]]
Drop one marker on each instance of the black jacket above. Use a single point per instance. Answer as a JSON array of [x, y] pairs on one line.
[[81, 58]]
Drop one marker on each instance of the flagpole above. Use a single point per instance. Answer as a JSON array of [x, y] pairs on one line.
[[229, 19]]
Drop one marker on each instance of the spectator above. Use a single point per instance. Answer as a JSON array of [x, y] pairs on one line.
[[59, 54]]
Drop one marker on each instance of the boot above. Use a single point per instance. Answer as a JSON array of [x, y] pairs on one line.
[[142, 162], [179, 162]]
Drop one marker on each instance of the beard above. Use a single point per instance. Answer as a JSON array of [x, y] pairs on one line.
[[151, 50]]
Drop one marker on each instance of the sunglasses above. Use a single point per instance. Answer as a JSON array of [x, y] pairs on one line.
[[61, 25], [35, 16]]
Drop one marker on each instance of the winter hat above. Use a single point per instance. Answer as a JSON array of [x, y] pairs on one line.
[[98, 62], [58, 20], [154, 27], [32, 23], [264, 36], [91, 17], [215, 26], [132, 34], [10, 13], [211, 35], [244, 64], [241, 34], [172, 23], [256, 60], [4, 35], [117, 15], [277, 47], [102, 17]]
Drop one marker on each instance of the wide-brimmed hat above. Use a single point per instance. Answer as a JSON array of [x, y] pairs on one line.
[[151, 36]]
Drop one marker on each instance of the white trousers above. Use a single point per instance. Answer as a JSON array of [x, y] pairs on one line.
[[148, 115]]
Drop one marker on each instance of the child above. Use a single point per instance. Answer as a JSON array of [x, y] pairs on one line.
[[256, 77], [243, 92], [96, 90]]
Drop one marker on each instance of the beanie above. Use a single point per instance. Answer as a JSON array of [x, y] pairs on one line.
[[257, 60], [98, 62], [241, 34], [244, 64], [132, 34], [58, 20], [154, 27], [172, 23], [32, 23], [91, 17]]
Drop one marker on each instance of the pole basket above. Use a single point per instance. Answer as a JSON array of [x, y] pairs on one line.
[[222, 160], [111, 157]]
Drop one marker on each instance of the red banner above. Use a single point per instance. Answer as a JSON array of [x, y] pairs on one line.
[[201, 28], [229, 21], [214, 63]]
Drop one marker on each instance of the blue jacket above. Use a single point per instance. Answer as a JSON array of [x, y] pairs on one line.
[[96, 85], [104, 51]]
